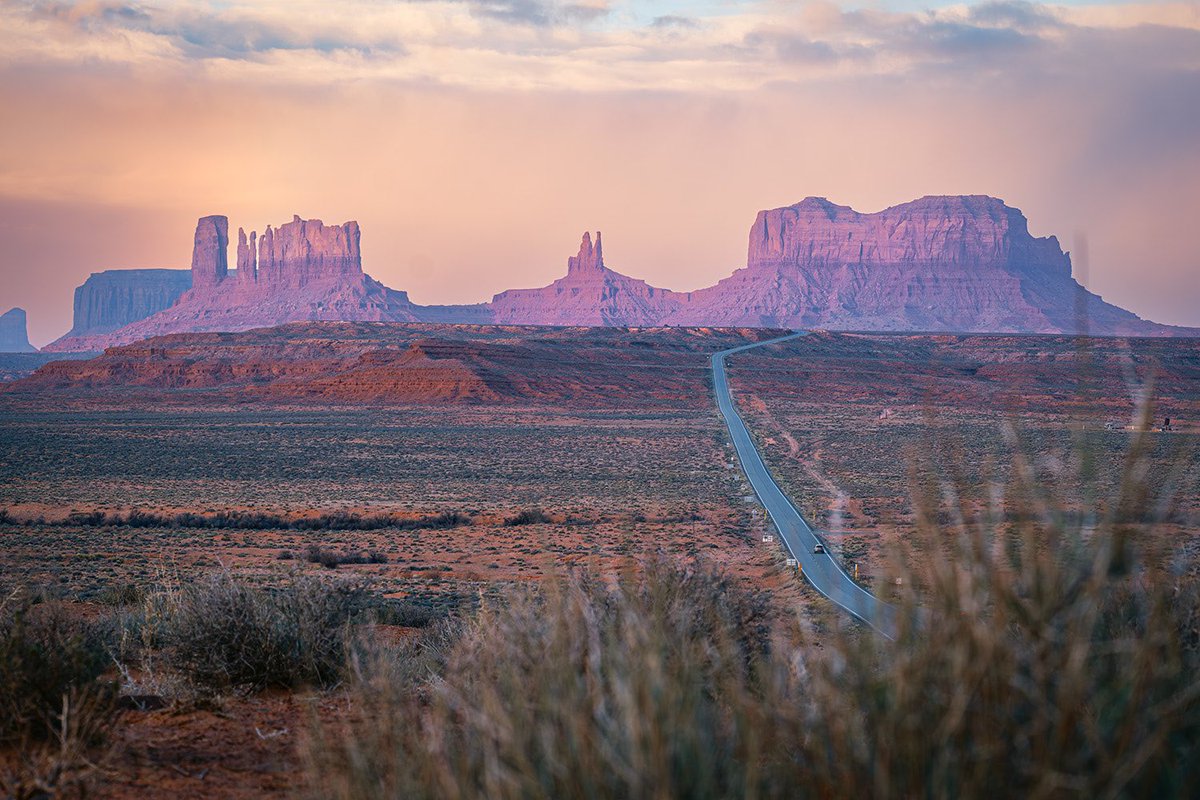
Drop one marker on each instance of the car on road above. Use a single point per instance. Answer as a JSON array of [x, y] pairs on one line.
[[819, 548]]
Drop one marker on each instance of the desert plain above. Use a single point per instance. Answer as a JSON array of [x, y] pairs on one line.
[[441, 464]]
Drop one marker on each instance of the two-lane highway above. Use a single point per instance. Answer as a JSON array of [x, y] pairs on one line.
[[821, 570]]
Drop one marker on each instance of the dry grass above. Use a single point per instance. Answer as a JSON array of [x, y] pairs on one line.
[[226, 632], [46, 653], [68, 763], [1052, 656]]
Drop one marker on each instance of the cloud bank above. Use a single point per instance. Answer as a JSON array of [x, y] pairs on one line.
[[475, 138]]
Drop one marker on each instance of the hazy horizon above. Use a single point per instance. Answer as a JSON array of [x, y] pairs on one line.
[[476, 141]]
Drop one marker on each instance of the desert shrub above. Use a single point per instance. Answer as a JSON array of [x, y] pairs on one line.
[[6, 517], [223, 631], [88, 518], [530, 516], [447, 519], [66, 762], [408, 613], [329, 559], [46, 653], [123, 593], [1058, 657], [581, 690], [257, 520], [341, 521], [319, 555]]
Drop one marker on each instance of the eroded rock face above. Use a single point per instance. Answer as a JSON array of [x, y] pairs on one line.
[[247, 258], [955, 263], [589, 259], [114, 298], [14, 332], [357, 362], [302, 270], [958, 263], [590, 294], [210, 252], [968, 231], [302, 251]]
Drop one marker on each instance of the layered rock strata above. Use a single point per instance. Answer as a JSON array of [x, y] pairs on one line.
[[302, 270], [960, 263], [953, 263], [114, 298]]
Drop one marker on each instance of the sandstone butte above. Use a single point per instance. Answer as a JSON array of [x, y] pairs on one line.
[[954, 263], [117, 297], [14, 332]]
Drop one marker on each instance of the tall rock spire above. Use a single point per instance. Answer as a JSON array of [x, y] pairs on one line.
[[210, 252], [247, 257], [590, 258]]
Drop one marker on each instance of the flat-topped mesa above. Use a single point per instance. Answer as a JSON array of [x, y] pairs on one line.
[[964, 231], [210, 252], [247, 258], [590, 258], [114, 298], [302, 251]]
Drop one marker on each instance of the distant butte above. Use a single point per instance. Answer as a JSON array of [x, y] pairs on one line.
[[14, 332], [303, 270], [945, 263], [589, 294]]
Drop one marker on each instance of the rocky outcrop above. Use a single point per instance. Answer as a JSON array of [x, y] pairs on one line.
[[247, 258], [589, 294], [210, 253], [590, 259], [969, 232], [14, 332], [379, 363], [114, 298], [935, 264], [301, 270], [303, 251], [957, 263]]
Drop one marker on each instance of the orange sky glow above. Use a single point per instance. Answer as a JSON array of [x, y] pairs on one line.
[[475, 141]]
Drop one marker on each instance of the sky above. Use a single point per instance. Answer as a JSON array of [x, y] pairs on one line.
[[475, 140]]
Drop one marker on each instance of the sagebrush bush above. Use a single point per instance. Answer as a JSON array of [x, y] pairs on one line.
[[223, 631], [529, 516], [586, 689], [329, 559], [46, 653]]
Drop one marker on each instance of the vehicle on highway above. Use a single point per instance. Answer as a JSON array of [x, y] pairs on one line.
[[819, 548]]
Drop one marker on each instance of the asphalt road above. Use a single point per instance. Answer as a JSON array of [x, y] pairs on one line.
[[821, 570]]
